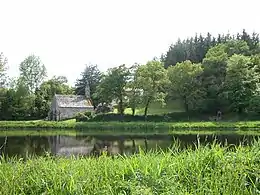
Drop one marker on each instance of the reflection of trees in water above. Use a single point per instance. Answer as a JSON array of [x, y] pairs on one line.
[[23, 146], [95, 145]]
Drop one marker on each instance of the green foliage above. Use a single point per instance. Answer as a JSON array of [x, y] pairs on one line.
[[254, 104], [37, 124], [237, 47], [169, 117], [214, 65], [240, 82], [195, 48], [209, 74], [84, 116], [134, 89], [81, 117], [17, 103], [56, 85], [186, 84], [129, 127], [90, 76], [32, 72], [151, 79], [113, 86], [3, 68], [210, 169], [104, 108]]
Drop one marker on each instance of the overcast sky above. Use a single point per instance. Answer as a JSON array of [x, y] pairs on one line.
[[68, 34]]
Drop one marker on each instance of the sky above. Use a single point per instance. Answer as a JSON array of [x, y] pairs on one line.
[[68, 34]]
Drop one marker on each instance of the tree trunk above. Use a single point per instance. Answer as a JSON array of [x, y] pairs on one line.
[[146, 108], [186, 105], [120, 106], [133, 111]]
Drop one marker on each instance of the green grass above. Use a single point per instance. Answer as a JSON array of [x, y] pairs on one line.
[[156, 108], [49, 132], [120, 127], [207, 170], [43, 132], [164, 126], [69, 124]]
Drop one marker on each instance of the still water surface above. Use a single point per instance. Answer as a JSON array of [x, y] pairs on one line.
[[61, 145]]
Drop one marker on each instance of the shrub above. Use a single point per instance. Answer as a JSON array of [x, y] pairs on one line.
[[104, 108], [254, 104], [179, 116], [81, 117], [88, 114]]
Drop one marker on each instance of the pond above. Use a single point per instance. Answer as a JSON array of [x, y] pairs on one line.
[[83, 144]]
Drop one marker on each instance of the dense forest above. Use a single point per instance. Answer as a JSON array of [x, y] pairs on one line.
[[207, 74]]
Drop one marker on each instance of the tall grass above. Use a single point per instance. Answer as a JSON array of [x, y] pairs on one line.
[[206, 170]]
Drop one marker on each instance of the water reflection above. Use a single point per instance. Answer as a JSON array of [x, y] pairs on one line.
[[85, 145]]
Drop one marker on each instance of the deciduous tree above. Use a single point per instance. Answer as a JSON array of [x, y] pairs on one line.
[[214, 65], [3, 68], [134, 91], [151, 78], [113, 86], [186, 84], [240, 82], [32, 72]]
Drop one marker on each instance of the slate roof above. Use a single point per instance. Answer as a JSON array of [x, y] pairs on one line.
[[73, 101]]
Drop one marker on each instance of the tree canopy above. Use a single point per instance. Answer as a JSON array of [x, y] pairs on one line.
[[206, 74]]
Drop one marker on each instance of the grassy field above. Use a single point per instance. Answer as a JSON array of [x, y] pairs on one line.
[[206, 170], [156, 108], [145, 127]]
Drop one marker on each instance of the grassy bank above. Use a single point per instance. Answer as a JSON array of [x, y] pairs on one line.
[[145, 127], [207, 170]]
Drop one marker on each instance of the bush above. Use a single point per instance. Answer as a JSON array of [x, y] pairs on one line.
[[170, 117], [104, 108], [179, 116], [81, 117], [84, 116], [88, 114], [254, 104]]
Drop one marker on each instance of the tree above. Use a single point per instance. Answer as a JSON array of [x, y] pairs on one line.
[[90, 76], [236, 47], [44, 94], [18, 103], [3, 67], [186, 83], [195, 48], [41, 104], [113, 87], [151, 79], [240, 82], [213, 77], [254, 104], [3, 93], [3, 64], [56, 85], [134, 91], [32, 72]]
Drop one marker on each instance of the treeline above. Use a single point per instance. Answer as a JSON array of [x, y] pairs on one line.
[[207, 74], [28, 96], [195, 48]]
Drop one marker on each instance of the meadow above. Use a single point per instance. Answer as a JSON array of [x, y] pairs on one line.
[[208, 169]]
